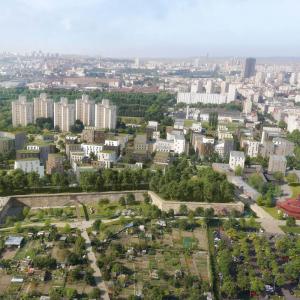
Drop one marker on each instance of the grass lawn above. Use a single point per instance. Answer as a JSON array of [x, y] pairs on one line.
[[273, 211], [189, 123], [132, 120], [294, 229], [295, 190]]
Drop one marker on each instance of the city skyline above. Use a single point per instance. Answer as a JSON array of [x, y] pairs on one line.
[[152, 29]]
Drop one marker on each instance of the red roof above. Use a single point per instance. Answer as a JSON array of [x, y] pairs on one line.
[[291, 206]]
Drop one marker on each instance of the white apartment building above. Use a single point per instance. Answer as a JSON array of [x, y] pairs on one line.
[[105, 115], [22, 112], [222, 135], [112, 142], [179, 144], [163, 145], [237, 158], [64, 114], [293, 123], [191, 98], [153, 124], [196, 127], [252, 148], [91, 148], [76, 156], [43, 107], [30, 165], [219, 148], [107, 156], [85, 110]]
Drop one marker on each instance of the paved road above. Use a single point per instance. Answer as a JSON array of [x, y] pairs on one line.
[[93, 263], [287, 295], [286, 192], [268, 223]]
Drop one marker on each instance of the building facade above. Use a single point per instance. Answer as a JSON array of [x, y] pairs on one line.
[[22, 112], [105, 115], [85, 110], [64, 114]]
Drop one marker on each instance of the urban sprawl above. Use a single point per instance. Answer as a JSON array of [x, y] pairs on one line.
[[149, 178]]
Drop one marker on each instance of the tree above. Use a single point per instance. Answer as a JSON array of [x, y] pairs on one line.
[[67, 228], [256, 285], [183, 210], [292, 178], [130, 199], [122, 201], [95, 294], [70, 293], [96, 225], [290, 221], [229, 288], [213, 120], [278, 176], [282, 125], [260, 200], [77, 127], [238, 171]]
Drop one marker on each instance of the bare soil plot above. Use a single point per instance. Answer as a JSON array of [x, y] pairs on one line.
[[9, 253], [4, 282]]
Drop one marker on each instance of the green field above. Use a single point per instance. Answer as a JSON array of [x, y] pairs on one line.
[[295, 190], [273, 211], [294, 229]]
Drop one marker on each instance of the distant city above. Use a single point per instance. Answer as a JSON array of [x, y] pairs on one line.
[[145, 178]]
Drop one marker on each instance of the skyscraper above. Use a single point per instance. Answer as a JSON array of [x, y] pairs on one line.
[[85, 110], [22, 112], [249, 69], [43, 107], [64, 114], [105, 115]]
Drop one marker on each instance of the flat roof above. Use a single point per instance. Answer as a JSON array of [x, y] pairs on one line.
[[14, 241]]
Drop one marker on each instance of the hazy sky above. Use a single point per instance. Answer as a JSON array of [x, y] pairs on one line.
[[152, 28]]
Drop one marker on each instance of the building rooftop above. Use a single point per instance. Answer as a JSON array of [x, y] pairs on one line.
[[237, 154], [14, 241]]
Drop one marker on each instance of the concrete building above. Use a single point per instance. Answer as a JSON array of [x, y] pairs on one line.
[[92, 135], [283, 146], [252, 148], [23, 154], [249, 69], [18, 137], [91, 148], [22, 112], [64, 114], [43, 107], [44, 149], [85, 110], [30, 165], [6, 145], [55, 164], [247, 106], [277, 163], [105, 115], [191, 98], [236, 159]]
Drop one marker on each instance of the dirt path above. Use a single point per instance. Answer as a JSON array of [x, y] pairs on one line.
[[93, 263]]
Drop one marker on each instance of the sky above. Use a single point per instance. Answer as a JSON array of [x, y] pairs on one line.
[[152, 28]]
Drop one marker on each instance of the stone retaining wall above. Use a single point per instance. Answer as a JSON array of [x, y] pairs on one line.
[[67, 199], [219, 208]]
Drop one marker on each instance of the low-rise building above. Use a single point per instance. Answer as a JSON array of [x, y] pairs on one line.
[[6, 145], [236, 159], [55, 163], [277, 163], [30, 165]]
